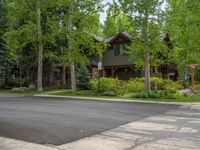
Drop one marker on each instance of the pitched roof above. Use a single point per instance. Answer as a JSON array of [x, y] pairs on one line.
[[110, 39], [98, 38], [125, 34]]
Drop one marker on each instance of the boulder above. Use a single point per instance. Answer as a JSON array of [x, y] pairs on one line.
[[20, 89], [187, 92], [32, 87]]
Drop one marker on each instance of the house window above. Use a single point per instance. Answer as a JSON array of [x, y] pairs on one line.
[[119, 49]]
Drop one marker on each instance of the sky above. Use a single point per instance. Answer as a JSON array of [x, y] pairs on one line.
[[104, 14]]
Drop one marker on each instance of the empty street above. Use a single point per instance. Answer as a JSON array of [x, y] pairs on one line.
[[70, 124]]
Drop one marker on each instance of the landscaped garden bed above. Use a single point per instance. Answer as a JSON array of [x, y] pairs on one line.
[[162, 90]]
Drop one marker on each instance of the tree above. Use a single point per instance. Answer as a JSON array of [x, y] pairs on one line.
[[40, 46], [146, 16], [83, 76], [3, 45], [54, 31], [32, 25], [183, 27], [116, 21], [78, 21]]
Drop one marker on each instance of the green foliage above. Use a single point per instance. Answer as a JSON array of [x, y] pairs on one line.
[[168, 94], [161, 84], [106, 85], [111, 85], [3, 47], [178, 96], [109, 93], [170, 85], [147, 17], [83, 76], [67, 31], [134, 85], [116, 21], [140, 95], [183, 27]]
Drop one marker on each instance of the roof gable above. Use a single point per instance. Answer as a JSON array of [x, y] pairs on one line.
[[124, 35]]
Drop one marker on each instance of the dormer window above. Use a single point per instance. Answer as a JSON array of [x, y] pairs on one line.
[[119, 49]]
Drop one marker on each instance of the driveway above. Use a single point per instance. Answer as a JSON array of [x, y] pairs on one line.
[[54, 122]]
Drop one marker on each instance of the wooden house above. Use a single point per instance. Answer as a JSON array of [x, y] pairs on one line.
[[116, 62]]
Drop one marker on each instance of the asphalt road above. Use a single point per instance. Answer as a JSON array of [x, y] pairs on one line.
[[59, 121]]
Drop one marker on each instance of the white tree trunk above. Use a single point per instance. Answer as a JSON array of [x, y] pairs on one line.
[[72, 74], [146, 54], [147, 73], [71, 60], [40, 48]]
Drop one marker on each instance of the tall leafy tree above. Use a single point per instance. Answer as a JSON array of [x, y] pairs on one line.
[[184, 29], [40, 45], [59, 31], [78, 23], [147, 18], [3, 45], [31, 28], [116, 21]]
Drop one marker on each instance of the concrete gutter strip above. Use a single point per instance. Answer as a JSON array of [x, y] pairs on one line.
[[160, 132], [11, 144], [114, 100]]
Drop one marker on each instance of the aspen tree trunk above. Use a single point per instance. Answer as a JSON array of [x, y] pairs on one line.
[[71, 60], [146, 54], [40, 48], [147, 73], [64, 76], [72, 73]]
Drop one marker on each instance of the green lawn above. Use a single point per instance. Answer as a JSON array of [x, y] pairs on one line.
[[88, 93], [30, 92]]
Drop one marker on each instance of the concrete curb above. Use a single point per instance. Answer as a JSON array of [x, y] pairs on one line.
[[115, 100], [13, 144]]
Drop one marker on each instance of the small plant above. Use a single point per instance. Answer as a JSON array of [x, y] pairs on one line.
[[109, 93], [83, 76], [159, 94], [170, 85], [140, 95], [106, 84], [134, 86], [177, 96]]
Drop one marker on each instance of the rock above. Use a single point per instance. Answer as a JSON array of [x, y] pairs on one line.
[[32, 87], [187, 92], [20, 89], [197, 91]]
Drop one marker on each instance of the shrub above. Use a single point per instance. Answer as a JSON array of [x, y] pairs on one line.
[[109, 93], [197, 86], [177, 96], [159, 94], [140, 95], [162, 84], [83, 76], [106, 84], [134, 86], [156, 83], [170, 85], [112, 85]]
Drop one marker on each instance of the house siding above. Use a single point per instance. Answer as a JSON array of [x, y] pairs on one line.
[[109, 59]]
